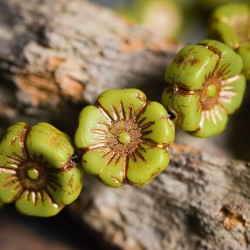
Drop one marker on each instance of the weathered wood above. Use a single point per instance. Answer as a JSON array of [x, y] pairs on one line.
[[199, 202], [73, 50]]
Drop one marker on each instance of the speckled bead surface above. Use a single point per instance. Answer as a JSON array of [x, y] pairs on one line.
[[204, 86], [36, 169], [125, 138]]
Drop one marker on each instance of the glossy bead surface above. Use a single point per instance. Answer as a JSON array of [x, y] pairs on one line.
[[36, 169], [125, 138], [204, 86]]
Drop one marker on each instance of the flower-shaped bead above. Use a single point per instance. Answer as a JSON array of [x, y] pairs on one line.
[[37, 169], [162, 16], [230, 23], [204, 86], [125, 138]]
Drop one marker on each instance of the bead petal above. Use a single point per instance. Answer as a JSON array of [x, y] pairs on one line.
[[156, 125], [12, 152], [140, 172], [186, 108], [110, 173], [12, 141], [191, 67], [213, 122], [55, 146], [230, 63], [31, 205], [92, 125], [121, 102], [10, 186], [232, 93], [66, 186]]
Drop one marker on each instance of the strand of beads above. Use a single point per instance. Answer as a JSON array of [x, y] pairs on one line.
[[124, 138]]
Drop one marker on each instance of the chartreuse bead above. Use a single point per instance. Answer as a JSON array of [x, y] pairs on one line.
[[209, 5], [204, 86], [125, 138], [230, 24], [163, 16], [37, 170]]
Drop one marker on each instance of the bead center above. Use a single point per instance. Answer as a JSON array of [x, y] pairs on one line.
[[33, 174], [211, 90], [123, 138]]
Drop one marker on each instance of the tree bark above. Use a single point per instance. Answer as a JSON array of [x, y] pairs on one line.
[[199, 202], [73, 50], [56, 57]]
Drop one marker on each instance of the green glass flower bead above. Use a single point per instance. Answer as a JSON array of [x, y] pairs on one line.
[[210, 5], [37, 170], [162, 16], [230, 24], [204, 86], [125, 138]]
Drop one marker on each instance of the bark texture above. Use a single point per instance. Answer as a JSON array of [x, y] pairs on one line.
[[199, 202], [56, 56], [73, 50]]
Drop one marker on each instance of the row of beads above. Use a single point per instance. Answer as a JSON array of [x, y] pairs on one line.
[[124, 138]]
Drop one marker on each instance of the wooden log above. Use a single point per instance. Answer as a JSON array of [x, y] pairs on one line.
[[199, 202], [73, 50]]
